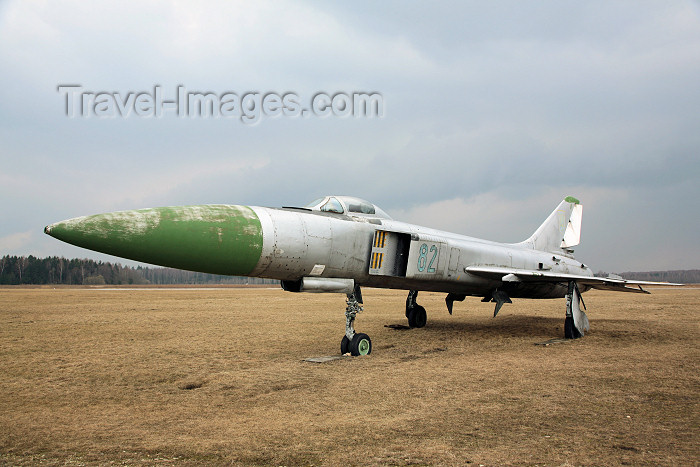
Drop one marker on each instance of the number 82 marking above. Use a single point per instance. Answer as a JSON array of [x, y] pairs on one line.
[[423, 257]]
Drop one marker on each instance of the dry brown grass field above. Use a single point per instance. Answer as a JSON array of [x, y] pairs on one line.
[[201, 377]]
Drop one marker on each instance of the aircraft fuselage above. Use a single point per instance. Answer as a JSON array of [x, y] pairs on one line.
[[291, 243], [296, 241]]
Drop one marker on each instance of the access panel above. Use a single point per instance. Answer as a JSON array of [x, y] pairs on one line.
[[426, 259], [389, 253]]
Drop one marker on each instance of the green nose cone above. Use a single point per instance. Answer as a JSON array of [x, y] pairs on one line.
[[218, 239]]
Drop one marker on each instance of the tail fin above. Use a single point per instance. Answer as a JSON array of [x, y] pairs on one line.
[[561, 230]]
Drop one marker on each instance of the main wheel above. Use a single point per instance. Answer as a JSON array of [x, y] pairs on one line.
[[344, 345], [570, 331], [360, 345], [417, 317]]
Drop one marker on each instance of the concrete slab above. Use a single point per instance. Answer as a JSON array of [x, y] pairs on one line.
[[328, 358], [554, 341]]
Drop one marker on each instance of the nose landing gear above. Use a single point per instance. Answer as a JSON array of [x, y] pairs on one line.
[[355, 344]]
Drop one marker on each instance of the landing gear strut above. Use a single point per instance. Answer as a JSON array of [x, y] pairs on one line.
[[576, 322], [417, 317], [354, 343]]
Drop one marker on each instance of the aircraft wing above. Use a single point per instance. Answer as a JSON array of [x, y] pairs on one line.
[[531, 275]]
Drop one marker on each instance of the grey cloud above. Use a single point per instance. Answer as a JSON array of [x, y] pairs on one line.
[[484, 101]]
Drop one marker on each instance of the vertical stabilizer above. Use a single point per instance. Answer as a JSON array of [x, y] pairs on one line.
[[562, 229]]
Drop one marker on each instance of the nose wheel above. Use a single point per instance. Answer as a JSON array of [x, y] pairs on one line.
[[354, 343], [360, 344]]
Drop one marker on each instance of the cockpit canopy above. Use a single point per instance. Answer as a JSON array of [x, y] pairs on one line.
[[347, 205]]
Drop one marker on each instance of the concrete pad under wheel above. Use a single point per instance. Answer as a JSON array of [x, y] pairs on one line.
[[328, 358], [554, 341]]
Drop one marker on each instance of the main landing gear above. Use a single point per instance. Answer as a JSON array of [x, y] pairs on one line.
[[417, 317], [576, 322], [354, 343]]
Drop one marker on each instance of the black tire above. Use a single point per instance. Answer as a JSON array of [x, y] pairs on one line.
[[344, 345], [417, 317], [360, 345], [570, 331]]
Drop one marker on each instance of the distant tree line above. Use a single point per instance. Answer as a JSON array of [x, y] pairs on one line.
[[687, 276], [15, 270], [683, 276]]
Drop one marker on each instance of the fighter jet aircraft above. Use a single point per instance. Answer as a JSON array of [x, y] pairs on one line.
[[341, 243]]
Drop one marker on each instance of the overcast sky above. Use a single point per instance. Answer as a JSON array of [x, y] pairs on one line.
[[493, 112]]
